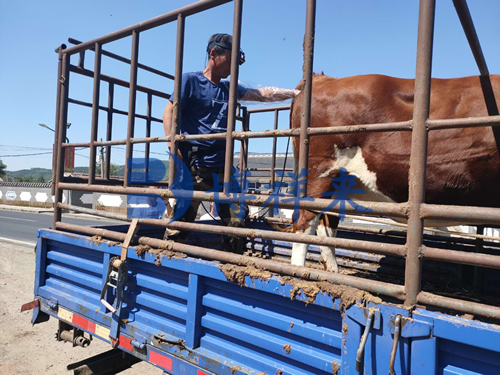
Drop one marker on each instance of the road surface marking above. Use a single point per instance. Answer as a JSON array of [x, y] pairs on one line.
[[15, 218], [17, 242]]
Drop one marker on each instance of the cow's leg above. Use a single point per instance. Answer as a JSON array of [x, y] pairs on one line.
[[307, 224], [327, 227]]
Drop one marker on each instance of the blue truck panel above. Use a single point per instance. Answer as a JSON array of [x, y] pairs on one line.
[[183, 315]]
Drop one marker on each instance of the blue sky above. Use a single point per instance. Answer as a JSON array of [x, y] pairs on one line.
[[352, 37]]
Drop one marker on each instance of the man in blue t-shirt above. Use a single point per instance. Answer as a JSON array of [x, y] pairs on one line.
[[203, 110]]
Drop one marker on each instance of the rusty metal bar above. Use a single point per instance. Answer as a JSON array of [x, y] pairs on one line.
[[459, 305], [95, 113], [372, 286], [269, 109], [463, 214], [113, 181], [98, 143], [117, 111], [369, 128], [463, 123], [129, 153], [109, 128], [275, 141], [56, 129], [148, 133], [307, 90], [402, 126], [233, 93], [149, 24], [125, 60], [384, 209], [460, 257], [245, 127], [176, 111], [63, 119], [119, 82], [418, 156], [268, 133], [372, 247], [470, 32]]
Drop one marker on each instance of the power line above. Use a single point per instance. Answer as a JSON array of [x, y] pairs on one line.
[[13, 156], [25, 147]]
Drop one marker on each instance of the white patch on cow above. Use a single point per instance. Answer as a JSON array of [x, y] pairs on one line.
[[353, 161], [110, 200], [328, 252], [299, 250]]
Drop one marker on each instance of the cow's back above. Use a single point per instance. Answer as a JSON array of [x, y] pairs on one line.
[[463, 164]]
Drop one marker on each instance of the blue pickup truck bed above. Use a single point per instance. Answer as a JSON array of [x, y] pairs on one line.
[[193, 316]]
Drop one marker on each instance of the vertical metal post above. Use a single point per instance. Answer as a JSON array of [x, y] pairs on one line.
[[478, 278], [101, 150], [307, 89], [148, 133], [56, 132], [233, 92], [109, 128], [470, 32], [418, 157], [131, 104], [179, 57], [275, 141], [245, 126], [63, 119], [95, 113]]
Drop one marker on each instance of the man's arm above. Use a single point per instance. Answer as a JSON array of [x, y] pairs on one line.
[[167, 125], [269, 94], [167, 119]]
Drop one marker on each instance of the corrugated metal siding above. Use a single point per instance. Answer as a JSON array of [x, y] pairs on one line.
[[157, 298], [74, 271], [255, 329]]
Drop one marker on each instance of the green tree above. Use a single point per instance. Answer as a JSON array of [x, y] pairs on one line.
[[3, 169], [113, 170], [40, 179]]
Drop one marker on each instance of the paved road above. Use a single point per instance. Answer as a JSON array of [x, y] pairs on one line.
[[22, 226]]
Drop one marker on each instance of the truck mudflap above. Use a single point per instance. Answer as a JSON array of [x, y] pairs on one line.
[[184, 316]]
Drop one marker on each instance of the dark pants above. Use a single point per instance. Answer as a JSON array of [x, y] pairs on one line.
[[203, 180]]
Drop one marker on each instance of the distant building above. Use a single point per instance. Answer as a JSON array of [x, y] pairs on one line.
[[259, 166]]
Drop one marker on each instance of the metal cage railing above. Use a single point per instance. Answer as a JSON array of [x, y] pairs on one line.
[[415, 210]]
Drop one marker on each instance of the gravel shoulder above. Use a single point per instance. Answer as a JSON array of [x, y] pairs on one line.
[[27, 349]]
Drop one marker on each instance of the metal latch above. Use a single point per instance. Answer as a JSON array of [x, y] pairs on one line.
[[397, 331], [361, 349]]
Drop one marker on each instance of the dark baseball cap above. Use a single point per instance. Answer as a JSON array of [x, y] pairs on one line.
[[224, 41]]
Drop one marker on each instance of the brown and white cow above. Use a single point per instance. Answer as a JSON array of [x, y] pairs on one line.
[[463, 165]]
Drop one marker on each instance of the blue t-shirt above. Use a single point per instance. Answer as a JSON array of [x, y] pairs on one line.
[[204, 107]]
